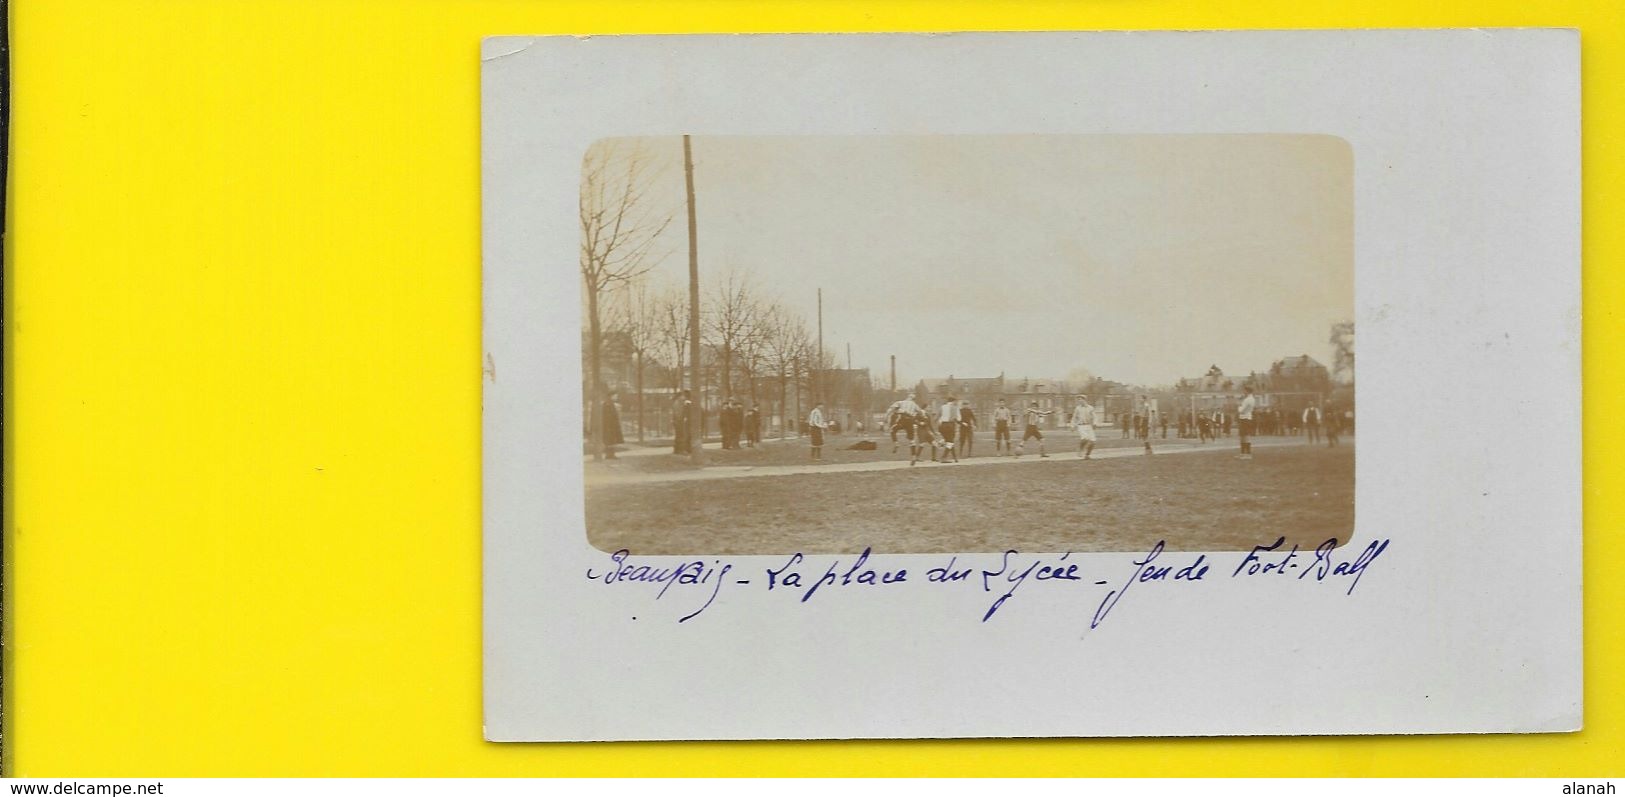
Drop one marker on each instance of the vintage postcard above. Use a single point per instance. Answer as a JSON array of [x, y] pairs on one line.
[[971, 385]]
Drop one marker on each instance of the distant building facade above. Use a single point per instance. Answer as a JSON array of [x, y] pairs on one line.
[[983, 395]]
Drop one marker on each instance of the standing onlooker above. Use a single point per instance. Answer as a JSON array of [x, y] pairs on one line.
[[753, 425], [1162, 421], [724, 421], [736, 420], [1311, 423], [611, 425], [730, 419], [680, 411], [967, 427], [815, 428], [1244, 417], [1146, 411]]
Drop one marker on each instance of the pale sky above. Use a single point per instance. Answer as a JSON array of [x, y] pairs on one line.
[[1141, 258]]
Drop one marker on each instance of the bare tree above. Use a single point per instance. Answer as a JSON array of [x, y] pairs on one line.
[[636, 314], [671, 322], [785, 349], [751, 355], [732, 320], [619, 232], [1342, 340]]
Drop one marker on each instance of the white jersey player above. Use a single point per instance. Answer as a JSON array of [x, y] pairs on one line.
[[1083, 420]]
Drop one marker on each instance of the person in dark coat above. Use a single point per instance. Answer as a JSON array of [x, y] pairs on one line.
[[753, 426], [680, 411], [736, 422], [725, 422], [611, 417], [967, 428]]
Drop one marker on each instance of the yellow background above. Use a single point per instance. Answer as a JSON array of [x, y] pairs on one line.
[[243, 364]]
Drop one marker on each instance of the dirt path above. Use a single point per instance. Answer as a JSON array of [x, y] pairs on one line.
[[609, 475]]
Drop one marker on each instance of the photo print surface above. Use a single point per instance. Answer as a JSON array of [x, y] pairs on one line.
[[922, 344]]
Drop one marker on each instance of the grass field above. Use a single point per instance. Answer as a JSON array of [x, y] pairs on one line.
[[1205, 500]]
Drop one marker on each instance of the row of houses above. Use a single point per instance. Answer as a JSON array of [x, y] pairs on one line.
[[1290, 384]]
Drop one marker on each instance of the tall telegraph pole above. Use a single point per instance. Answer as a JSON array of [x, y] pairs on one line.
[[695, 433], [818, 380]]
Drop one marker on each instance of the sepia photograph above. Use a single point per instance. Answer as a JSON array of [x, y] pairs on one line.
[[967, 343]]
